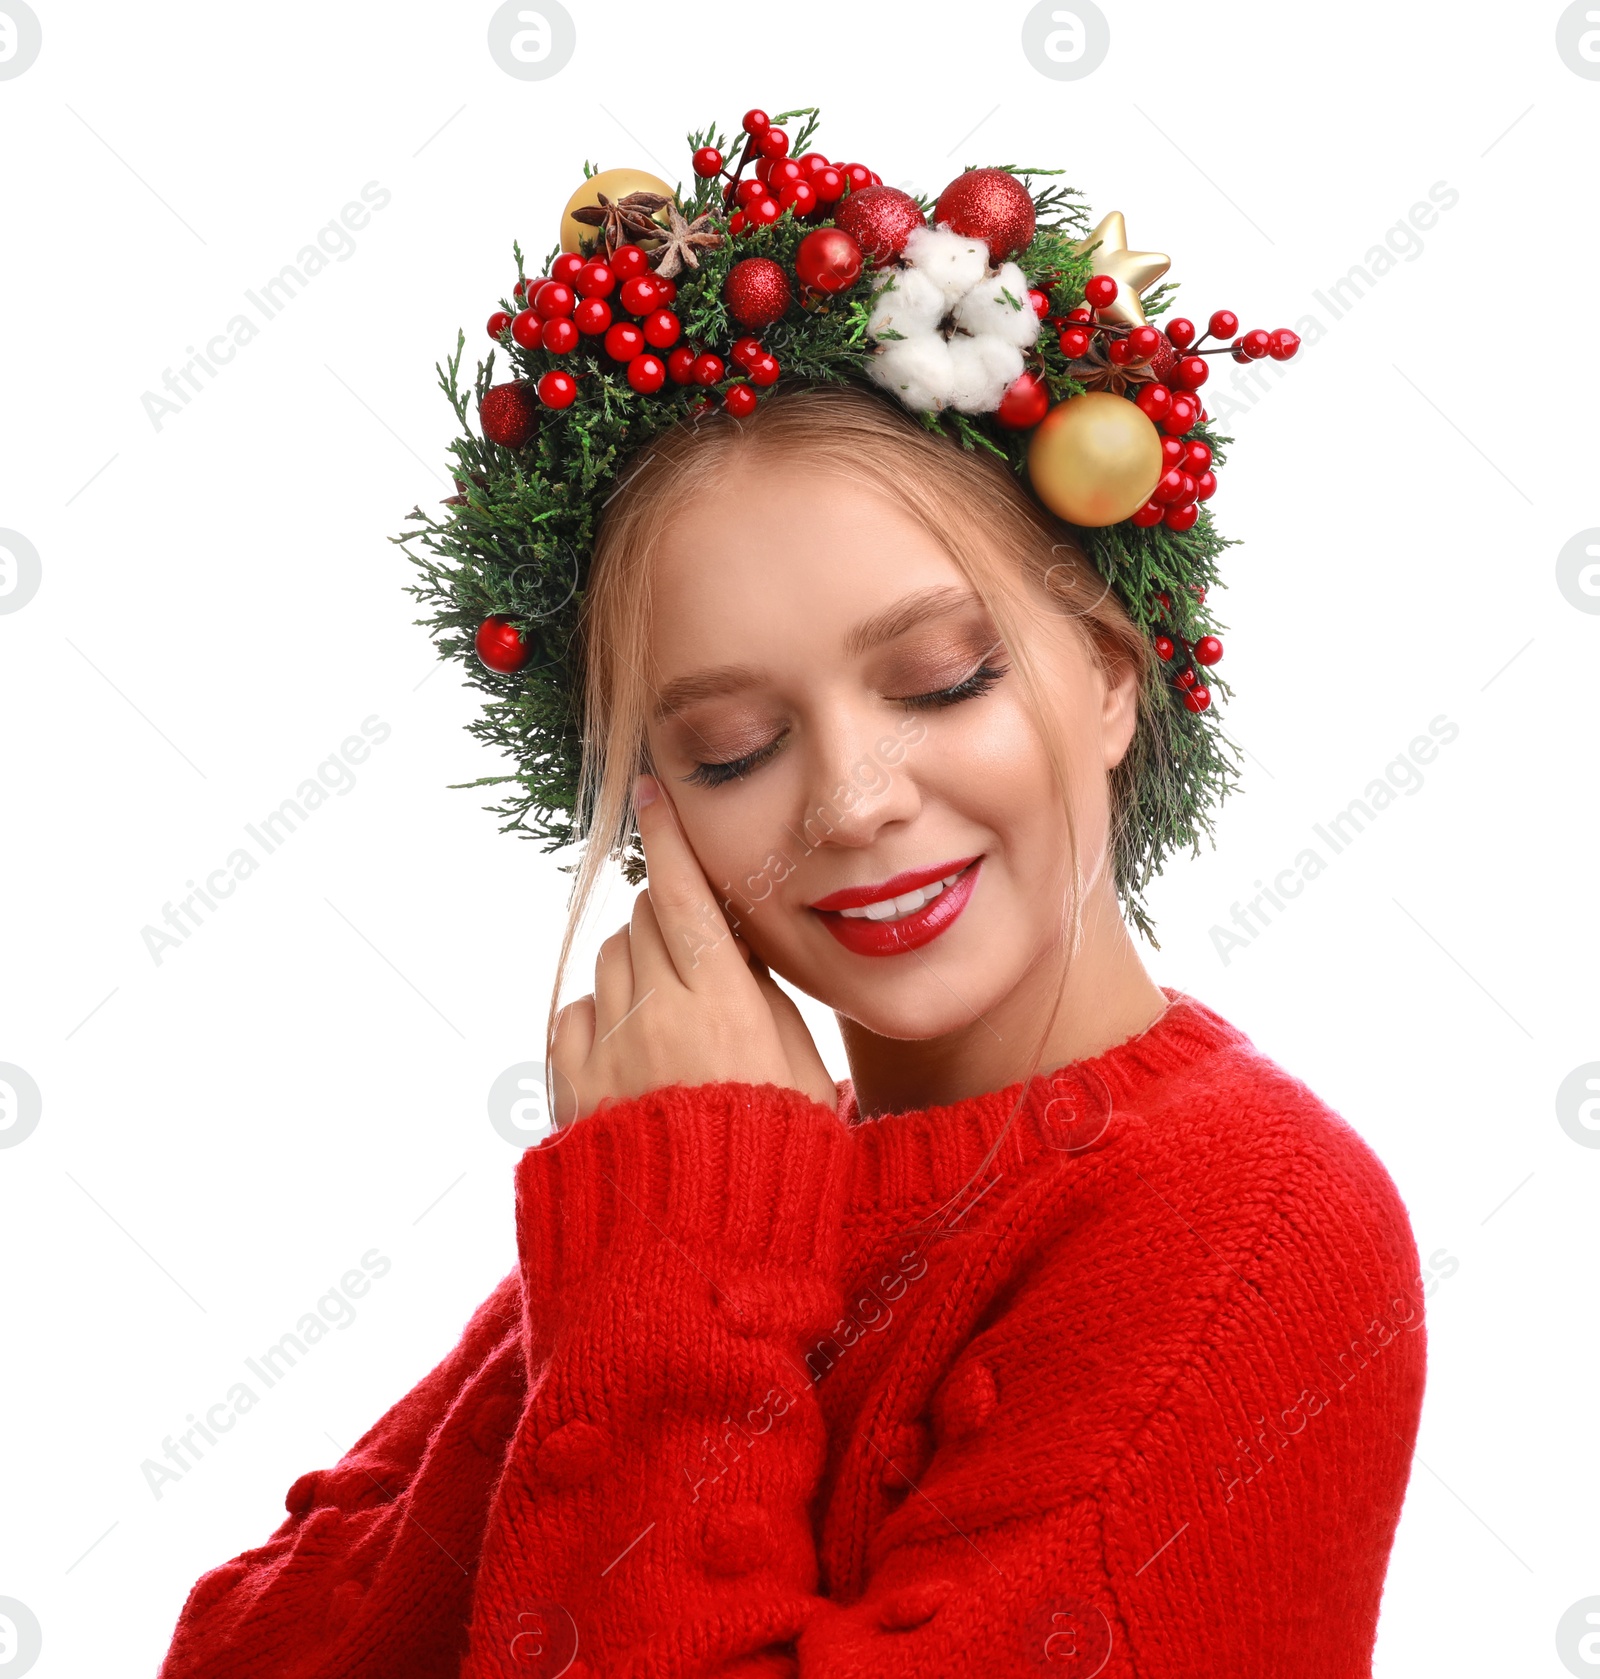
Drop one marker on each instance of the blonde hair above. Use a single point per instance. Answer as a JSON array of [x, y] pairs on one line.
[[1005, 545]]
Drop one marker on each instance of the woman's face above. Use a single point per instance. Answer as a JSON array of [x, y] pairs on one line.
[[841, 732]]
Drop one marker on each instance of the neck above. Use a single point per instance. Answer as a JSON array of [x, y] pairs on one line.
[[1107, 998]]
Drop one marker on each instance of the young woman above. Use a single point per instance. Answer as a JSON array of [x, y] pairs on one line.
[[1069, 1333]]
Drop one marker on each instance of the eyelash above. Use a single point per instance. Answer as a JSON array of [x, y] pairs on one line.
[[970, 687]]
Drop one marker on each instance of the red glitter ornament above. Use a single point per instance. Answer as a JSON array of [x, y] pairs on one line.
[[508, 415], [880, 220], [991, 205], [757, 292], [499, 643], [828, 260]]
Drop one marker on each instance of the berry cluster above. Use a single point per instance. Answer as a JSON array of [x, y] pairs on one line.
[[1206, 651], [808, 186]]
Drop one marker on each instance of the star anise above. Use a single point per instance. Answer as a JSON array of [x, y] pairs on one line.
[[1097, 372], [681, 240], [459, 499], [623, 220]]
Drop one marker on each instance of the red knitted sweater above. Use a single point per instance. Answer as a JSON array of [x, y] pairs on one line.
[[773, 1390]]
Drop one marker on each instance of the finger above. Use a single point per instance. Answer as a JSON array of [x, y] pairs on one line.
[[570, 1044], [613, 980], [696, 933], [806, 1066], [652, 961]]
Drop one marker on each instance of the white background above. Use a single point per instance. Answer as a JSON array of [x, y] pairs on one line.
[[225, 1133]]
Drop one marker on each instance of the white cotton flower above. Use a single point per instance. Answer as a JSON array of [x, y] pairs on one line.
[[999, 307], [917, 369], [952, 261], [981, 369], [911, 304]]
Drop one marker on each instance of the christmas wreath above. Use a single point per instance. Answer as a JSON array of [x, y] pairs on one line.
[[995, 313]]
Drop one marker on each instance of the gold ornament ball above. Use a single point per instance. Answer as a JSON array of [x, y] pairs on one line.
[[1094, 459], [615, 184]]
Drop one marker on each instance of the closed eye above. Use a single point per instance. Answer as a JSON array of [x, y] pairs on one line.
[[979, 682]]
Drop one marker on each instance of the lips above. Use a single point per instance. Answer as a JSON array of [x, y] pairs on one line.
[[902, 913]]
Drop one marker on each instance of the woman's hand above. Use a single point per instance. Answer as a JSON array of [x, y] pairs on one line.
[[677, 997]]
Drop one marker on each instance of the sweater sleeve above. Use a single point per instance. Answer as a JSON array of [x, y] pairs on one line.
[[398, 1519]]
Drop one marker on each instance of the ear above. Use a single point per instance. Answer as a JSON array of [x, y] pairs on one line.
[[1119, 715]]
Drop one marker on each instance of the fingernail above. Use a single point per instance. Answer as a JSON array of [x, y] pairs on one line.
[[645, 791]]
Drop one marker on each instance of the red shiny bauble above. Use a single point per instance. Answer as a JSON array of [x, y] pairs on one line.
[[1101, 291], [1171, 456], [1164, 647], [661, 329], [647, 373], [559, 337], [1196, 457], [629, 260], [757, 292], [554, 297], [992, 205], [680, 365], [762, 212], [1205, 486], [566, 266], [707, 369], [1150, 514], [624, 341], [1074, 342], [1025, 403], [1038, 302], [500, 645], [1187, 677], [638, 295], [707, 162], [1223, 324], [783, 171], [880, 220], [525, 329], [763, 370], [1197, 698], [592, 316], [558, 389], [828, 260], [756, 122], [594, 279], [1284, 344], [739, 399], [774, 144], [1181, 416], [1181, 333], [745, 351], [828, 184], [1208, 650], [508, 415], [1183, 516], [1155, 400], [857, 176], [1192, 372], [1146, 340], [498, 322]]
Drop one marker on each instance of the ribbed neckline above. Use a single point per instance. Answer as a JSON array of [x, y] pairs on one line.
[[1071, 1110]]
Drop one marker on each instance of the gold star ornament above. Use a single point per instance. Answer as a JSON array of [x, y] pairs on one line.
[[1134, 271]]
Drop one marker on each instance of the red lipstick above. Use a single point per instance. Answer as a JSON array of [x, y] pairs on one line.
[[866, 937]]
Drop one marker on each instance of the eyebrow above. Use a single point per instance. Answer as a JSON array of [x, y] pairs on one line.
[[940, 601]]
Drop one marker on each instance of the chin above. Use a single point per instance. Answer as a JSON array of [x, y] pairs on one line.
[[910, 998]]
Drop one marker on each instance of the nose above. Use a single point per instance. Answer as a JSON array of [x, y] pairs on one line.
[[860, 780]]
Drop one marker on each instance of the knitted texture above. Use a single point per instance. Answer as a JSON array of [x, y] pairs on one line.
[[773, 1390]]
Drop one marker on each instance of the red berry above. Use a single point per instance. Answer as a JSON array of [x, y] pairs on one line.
[[1186, 678], [1040, 302], [1182, 517], [638, 295], [828, 260], [627, 261], [774, 143], [1205, 486], [680, 365], [797, 198], [828, 184], [707, 369], [1171, 456], [647, 373], [1192, 372], [1025, 403], [1101, 291], [554, 297], [1257, 344], [661, 329], [745, 351], [1120, 353], [1074, 342], [1154, 400], [738, 222], [1083, 316], [1197, 698], [559, 337], [498, 322], [1165, 602], [763, 370], [1223, 324], [1240, 353], [624, 341], [1187, 494], [508, 415], [1169, 487], [1196, 457], [707, 162], [519, 290], [763, 164], [1150, 514], [784, 170], [1145, 341], [756, 122], [1208, 650], [594, 279], [875, 178], [762, 212], [500, 645], [525, 329], [814, 163], [739, 399], [1284, 344], [592, 316], [566, 266], [858, 177], [1164, 648], [558, 389], [666, 292], [1180, 416], [1181, 333], [747, 189]]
